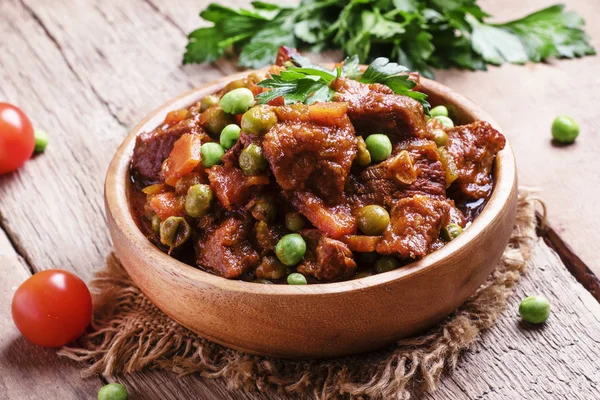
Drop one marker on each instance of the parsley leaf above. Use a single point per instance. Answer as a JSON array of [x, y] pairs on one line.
[[381, 70], [308, 83], [421, 34]]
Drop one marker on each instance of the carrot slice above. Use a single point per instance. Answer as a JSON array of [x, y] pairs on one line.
[[174, 117], [167, 205], [184, 157]]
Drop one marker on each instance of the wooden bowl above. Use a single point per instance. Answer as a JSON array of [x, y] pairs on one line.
[[322, 320]]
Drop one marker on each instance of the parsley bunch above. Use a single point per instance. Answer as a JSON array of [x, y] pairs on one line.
[[421, 34], [303, 82]]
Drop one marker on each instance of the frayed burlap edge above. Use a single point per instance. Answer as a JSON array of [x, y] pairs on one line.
[[129, 334]]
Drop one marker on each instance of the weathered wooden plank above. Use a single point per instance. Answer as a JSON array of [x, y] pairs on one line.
[[555, 361], [52, 207], [80, 69], [524, 101], [28, 371]]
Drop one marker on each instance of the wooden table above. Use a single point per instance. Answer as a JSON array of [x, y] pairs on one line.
[[88, 70]]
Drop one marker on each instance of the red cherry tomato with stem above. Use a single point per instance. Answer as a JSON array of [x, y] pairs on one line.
[[16, 138], [52, 308]]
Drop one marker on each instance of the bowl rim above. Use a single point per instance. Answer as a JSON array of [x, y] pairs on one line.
[[116, 189]]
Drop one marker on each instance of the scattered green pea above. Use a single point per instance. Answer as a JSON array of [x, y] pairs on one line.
[[290, 249], [41, 141], [208, 101], [252, 161], [451, 232], [535, 309], [386, 263], [113, 391], [439, 111], [174, 231], [258, 120], [372, 220], [156, 223], [296, 279], [198, 200], [211, 154], [363, 157], [379, 146], [229, 135], [564, 129], [294, 221], [237, 101], [447, 122]]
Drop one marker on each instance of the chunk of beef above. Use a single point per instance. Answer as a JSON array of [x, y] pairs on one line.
[[376, 109], [431, 175], [414, 168], [326, 259], [473, 148], [266, 236], [226, 250], [152, 148], [336, 220], [304, 155], [415, 224], [232, 186]]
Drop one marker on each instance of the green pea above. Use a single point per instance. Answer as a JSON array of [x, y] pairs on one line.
[[264, 209], [296, 279], [535, 309], [386, 263], [440, 137], [229, 135], [439, 111], [211, 154], [447, 122], [156, 223], [113, 391], [451, 232], [564, 129], [372, 220], [237, 101], [379, 146], [252, 161], [258, 120], [198, 200], [41, 141], [290, 249], [214, 120], [174, 231], [208, 101], [294, 221], [363, 157]]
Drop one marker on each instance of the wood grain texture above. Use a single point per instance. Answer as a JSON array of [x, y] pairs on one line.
[[28, 371], [75, 67], [558, 360], [524, 101]]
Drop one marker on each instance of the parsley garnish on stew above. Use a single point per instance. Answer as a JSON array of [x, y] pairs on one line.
[[303, 82], [421, 34]]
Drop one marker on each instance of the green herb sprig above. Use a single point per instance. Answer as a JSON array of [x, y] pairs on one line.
[[421, 34], [303, 82]]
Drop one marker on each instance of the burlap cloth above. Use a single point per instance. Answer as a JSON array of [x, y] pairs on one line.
[[130, 334]]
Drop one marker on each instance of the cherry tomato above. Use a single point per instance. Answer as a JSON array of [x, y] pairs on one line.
[[52, 308], [16, 138]]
